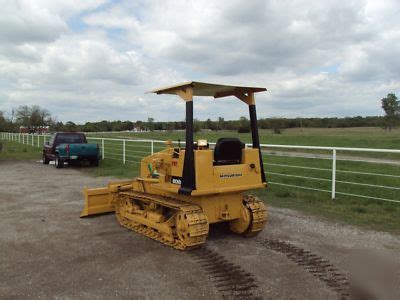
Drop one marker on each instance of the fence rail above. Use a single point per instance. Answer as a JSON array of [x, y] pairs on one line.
[[133, 150]]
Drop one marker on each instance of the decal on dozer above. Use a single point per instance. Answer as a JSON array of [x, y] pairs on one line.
[[176, 180], [181, 191]]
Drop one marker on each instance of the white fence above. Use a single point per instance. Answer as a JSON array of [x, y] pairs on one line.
[[132, 151]]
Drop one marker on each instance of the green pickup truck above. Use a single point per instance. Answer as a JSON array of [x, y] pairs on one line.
[[70, 147]]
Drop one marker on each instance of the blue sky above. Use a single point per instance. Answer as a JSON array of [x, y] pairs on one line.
[[94, 60]]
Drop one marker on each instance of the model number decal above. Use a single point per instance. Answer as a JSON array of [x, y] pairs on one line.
[[230, 175], [176, 180]]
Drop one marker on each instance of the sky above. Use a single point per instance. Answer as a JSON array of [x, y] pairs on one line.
[[95, 60]]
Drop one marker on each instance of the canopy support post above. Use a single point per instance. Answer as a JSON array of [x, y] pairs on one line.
[[188, 183], [248, 98]]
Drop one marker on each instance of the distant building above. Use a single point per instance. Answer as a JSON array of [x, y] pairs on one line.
[[137, 129], [34, 129]]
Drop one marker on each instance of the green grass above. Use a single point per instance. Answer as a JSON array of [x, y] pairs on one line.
[[113, 168], [367, 213], [363, 137], [15, 151]]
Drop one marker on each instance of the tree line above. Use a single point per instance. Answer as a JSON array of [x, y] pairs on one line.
[[33, 117]]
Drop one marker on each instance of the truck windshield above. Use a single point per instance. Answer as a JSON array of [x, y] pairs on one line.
[[71, 139]]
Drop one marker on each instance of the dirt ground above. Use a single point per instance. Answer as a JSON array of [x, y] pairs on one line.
[[47, 251]]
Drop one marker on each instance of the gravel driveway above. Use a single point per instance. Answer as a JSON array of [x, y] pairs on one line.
[[48, 251]]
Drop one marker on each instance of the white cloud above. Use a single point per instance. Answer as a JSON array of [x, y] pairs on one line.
[[92, 60]]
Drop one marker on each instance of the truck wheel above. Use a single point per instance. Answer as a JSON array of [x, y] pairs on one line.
[[45, 160], [95, 162], [58, 163]]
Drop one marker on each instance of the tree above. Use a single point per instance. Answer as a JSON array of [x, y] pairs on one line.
[[196, 125], [244, 125], [57, 126], [33, 117], [150, 123], [3, 122], [39, 116], [211, 125], [391, 106], [221, 123], [23, 115], [70, 126]]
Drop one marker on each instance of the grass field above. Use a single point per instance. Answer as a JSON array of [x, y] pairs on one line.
[[358, 137], [363, 137], [15, 151], [373, 214]]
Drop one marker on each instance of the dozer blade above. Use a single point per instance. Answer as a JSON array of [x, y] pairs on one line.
[[97, 201]]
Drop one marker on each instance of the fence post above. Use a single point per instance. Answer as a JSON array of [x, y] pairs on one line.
[[123, 151], [32, 139], [38, 140], [333, 173], [102, 148], [152, 147]]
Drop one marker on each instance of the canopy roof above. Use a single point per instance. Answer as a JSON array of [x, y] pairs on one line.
[[209, 89]]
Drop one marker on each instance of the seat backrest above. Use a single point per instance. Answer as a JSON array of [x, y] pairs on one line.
[[228, 151]]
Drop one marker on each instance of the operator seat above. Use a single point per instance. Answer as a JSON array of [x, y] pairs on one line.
[[228, 151]]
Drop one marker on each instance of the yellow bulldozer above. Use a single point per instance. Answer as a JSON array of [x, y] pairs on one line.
[[182, 190]]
